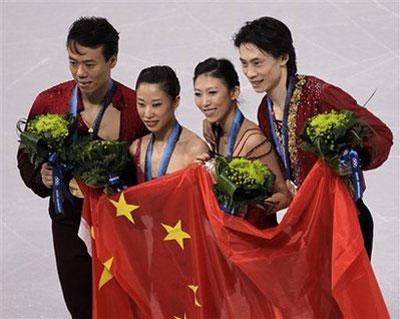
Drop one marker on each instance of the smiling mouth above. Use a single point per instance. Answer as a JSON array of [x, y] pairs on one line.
[[84, 83], [256, 83], [150, 123], [209, 112]]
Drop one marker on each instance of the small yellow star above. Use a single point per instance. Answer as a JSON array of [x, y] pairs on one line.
[[176, 233], [184, 317], [92, 232], [124, 209], [194, 288], [106, 275]]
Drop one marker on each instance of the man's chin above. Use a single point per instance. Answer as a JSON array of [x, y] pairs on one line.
[[259, 89]]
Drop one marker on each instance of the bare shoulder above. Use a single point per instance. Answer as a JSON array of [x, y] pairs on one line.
[[193, 144], [134, 145]]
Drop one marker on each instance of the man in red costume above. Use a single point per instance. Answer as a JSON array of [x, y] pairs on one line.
[[101, 107], [268, 60]]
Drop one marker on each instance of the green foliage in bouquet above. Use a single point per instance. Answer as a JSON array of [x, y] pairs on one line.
[[327, 134], [241, 182], [44, 134], [94, 160]]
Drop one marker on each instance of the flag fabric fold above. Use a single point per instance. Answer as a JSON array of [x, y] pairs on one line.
[[164, 249]]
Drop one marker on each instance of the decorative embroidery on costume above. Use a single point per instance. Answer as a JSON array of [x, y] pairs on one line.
[[293, 108]]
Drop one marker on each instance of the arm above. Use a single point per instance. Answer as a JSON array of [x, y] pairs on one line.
[[379, 140], [32, 177], [258, 147]]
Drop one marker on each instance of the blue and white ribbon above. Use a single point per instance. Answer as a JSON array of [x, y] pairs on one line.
[[350, 157], [59, 190], [116, 183], [229, 210]]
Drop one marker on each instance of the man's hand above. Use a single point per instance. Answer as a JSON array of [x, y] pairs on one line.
[[344, 169], [47, 175]]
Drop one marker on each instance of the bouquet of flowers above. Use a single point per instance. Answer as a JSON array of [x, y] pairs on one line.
[[46, 134], [327, 135], [99, 163], [241, 182], [47, 139], [336, 137]]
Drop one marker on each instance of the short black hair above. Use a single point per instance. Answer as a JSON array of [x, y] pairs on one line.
[[163, 75], [271, 36], [218, 68], [93, 32]]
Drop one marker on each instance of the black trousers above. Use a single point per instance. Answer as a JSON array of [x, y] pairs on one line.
[[74, 267], [367, 226]]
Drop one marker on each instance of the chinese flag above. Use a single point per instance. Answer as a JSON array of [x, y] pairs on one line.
[[164, 249]]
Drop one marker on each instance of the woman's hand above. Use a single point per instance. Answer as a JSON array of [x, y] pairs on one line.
[[202, 158], [47, 175], [275, 202], [208, 163]]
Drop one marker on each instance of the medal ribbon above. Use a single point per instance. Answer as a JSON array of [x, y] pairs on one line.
[[168, 150], [282, 149], [233, 132], [73, 109]]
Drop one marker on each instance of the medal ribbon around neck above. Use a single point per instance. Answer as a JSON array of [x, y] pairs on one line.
[[233, 132], [73, 109], [166, 156], [282, 149]]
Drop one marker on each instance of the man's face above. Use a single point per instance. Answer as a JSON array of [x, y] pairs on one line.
[[262, 69], [89, 68]]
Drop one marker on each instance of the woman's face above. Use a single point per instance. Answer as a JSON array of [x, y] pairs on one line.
[[213, 97], [155, 107], [262, 69]]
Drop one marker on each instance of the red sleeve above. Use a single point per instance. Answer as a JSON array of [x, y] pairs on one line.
[[262, 117], [378, 143], [29, 174]]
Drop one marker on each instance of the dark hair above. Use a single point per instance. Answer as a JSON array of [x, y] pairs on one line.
[[93, 32], [218, 68], [163, 75], [271, 36]]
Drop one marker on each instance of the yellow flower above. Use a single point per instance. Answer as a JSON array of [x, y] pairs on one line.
[[254, 169], [51, 126]]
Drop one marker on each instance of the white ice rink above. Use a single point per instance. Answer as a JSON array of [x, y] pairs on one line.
[[353, 44]]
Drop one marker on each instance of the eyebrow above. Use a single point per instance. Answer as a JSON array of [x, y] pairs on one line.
[[84, 61], [252, 60]]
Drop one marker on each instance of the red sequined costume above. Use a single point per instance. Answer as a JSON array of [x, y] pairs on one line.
[[312, 96], [73, 261]]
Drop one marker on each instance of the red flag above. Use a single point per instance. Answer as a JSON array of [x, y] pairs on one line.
[[170, 252]]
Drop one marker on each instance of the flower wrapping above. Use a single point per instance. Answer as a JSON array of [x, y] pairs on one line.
[[100, 163], [240, 182]]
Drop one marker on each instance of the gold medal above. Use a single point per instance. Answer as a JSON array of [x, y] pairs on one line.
[[74, 189]]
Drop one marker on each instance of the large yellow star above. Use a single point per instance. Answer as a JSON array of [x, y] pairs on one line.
[[124, 209], [176, 233], [106, 275]]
